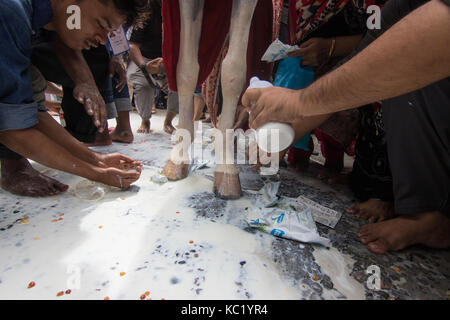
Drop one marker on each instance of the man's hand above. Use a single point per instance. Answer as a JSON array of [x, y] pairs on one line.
[[272, 105], [116, 66], [314, 52], [154, 66], [241, 117], [87, 94]]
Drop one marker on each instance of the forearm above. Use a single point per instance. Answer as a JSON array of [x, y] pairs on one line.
[[136, 54], [345, 45], [33, 144], [49, 127], [410, 55], [74, 63]]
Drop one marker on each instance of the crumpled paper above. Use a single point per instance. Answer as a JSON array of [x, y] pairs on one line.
[[279, 217], [198, 164], [278, 51], [159, 178], [293, 225]]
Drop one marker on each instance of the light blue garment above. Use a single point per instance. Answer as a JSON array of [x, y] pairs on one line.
[[292, 75]]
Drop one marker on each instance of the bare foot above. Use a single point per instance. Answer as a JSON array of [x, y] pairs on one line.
[[101, 139], [145, 127], [19, 177], [373, 210], [169, 128], [154, 109], [122, 132], [431, 229], [125, 136]]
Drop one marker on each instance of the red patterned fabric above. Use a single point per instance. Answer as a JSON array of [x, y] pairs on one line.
[[215, 27], [267, 17], [309, 15]]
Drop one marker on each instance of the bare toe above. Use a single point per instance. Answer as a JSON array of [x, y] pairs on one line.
[[379, 246], [366, 234], [353, 209]]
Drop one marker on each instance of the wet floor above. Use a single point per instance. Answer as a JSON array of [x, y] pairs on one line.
[[178, 241]]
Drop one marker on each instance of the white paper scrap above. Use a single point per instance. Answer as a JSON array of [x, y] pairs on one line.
[[321, 214], [277, 51]]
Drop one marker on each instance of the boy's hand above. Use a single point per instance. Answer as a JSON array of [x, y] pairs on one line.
[[314, 52], [116, 66], [154, 66], [88, 95]]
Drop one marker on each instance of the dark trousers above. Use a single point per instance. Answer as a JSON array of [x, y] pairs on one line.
[[417, 133], [78, 122]]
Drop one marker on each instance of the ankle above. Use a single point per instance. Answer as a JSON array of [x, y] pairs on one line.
[[9, 166]]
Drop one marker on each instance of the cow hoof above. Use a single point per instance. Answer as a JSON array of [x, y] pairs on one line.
[[175, 172], [227, 186]]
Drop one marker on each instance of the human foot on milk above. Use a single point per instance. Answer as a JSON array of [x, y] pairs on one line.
[[20, 178], [101, 139], [122, 132], [169, 128], [123, 136], [431, 229], [373, 210], [145, 127]]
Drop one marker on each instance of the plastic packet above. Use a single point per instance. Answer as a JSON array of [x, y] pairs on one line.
[[159, 178], [279, 216], [89, 190], [293, 225], [267, 196], [277, 51], [197, 164]]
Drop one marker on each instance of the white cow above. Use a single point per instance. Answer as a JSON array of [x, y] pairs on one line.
[[233, 77]]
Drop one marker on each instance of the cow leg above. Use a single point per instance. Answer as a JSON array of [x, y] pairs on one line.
[[234, 72], [191, 16]]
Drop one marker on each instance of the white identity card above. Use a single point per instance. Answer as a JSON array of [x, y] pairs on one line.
[[118, 41]]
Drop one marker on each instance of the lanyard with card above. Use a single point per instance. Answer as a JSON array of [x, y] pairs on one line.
[[118, 41]]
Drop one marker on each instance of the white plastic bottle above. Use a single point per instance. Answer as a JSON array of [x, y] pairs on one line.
[[265, 133]]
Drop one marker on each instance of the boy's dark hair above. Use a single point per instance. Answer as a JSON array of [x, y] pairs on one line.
[[136, 11]]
